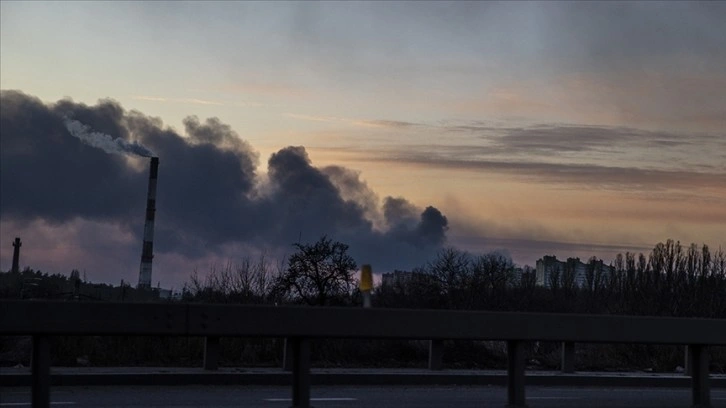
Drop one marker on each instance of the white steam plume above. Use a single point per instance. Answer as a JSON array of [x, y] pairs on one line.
[[103, 141]]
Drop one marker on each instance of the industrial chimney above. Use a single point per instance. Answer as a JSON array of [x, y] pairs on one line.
[[16, 255], [147, 253]]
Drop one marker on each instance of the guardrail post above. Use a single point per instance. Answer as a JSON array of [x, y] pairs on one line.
[[515, 374], [300, 372], [41, 371], [686, 362], [698, 356], [211, 352], [287, 354], [436, 353], [568, 357]]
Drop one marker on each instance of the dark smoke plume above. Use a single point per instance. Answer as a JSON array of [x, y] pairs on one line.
[[210, 196]]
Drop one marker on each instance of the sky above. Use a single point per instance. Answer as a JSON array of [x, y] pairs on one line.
[[573, 129]]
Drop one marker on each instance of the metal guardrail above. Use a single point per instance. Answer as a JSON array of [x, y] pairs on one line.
[[299, 324]]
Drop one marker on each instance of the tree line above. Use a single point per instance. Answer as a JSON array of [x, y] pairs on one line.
[[672, 280]]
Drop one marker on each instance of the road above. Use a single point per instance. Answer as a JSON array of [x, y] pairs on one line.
[[356, 397]]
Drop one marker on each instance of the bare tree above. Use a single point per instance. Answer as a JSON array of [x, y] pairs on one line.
[[450, 272], [318, 273], [245, 281], [491, 274]]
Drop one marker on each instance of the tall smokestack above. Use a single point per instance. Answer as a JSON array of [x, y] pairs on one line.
[[16, 255], [147, 253]]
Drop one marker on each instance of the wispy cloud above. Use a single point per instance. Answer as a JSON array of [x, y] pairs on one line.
[[553, 138], [263, 89], [392, 124], [568, 144], [176, 100], [655, 98], [375, 123], [314, 118], [583, 175]]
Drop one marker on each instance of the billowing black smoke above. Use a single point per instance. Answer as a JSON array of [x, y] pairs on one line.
[[210, 194]]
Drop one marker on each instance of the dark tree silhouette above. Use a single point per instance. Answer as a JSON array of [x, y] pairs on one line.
[[318, 273], [449, 271]]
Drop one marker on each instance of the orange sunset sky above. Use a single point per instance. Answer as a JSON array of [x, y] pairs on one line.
[[535, 128]]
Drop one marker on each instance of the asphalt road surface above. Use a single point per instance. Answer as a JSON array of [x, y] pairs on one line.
[[356, 397]]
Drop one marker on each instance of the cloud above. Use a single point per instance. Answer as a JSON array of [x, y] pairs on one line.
[[44, 168], [265, 89], [585, 156], [209, 197], [353, 189], [314, 118], [377, 123], [394, 124], [658, 98], [556, 139], [193, 101], [583, 175], [638, 31], [403, 44], [655, 98]]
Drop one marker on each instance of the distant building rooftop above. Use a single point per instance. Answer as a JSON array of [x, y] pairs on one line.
[[551, 270]]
